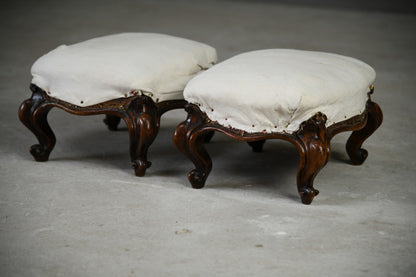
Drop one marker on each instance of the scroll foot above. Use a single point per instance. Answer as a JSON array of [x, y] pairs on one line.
[[140, 167], [189, 138], [355, 141], [142, 120]]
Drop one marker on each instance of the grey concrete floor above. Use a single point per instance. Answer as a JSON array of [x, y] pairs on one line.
[[84, 213]]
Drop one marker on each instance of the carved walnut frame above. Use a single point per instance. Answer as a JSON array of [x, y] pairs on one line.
[[312, 140], [140, 112]]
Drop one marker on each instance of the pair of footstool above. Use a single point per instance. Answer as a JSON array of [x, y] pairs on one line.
[[300, 96]]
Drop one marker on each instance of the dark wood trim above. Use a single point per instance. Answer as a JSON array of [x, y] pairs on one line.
[[140, 112], [189, 137], [312, 140]]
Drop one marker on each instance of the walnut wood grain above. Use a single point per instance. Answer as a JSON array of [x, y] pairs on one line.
[[189, 137], [33, 113], [140, 112]]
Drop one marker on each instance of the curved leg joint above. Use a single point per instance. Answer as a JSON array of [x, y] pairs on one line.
[[140, 167], [33, 114], [189, 138], [314, 149], [355, 141]]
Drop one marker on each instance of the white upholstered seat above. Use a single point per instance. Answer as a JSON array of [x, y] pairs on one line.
[[277, 89], [120, 65]]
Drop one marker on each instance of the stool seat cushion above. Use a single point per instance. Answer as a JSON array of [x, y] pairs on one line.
[[275, 90], [121, 65]]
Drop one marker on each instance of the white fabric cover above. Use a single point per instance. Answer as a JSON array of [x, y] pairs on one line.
[[113, 66], [275, 90]]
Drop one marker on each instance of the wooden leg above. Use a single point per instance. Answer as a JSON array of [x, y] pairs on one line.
[[141, 114], [257, 145], [143, 123], [112, 121], [33, 113], [189, 138], [314, 149], [355, 141]]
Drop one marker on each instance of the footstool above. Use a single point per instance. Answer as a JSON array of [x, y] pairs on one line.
[[302, 97], [131, 76]]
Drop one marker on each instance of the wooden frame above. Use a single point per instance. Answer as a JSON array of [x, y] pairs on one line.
[[140, 112], [312, 140]]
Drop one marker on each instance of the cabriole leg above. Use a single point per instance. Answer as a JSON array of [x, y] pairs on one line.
[[189, 138], [314, 149], [355, 141], [143, 123], [33, 113]]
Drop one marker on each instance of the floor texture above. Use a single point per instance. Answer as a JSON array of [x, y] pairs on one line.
[[84, 213]]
